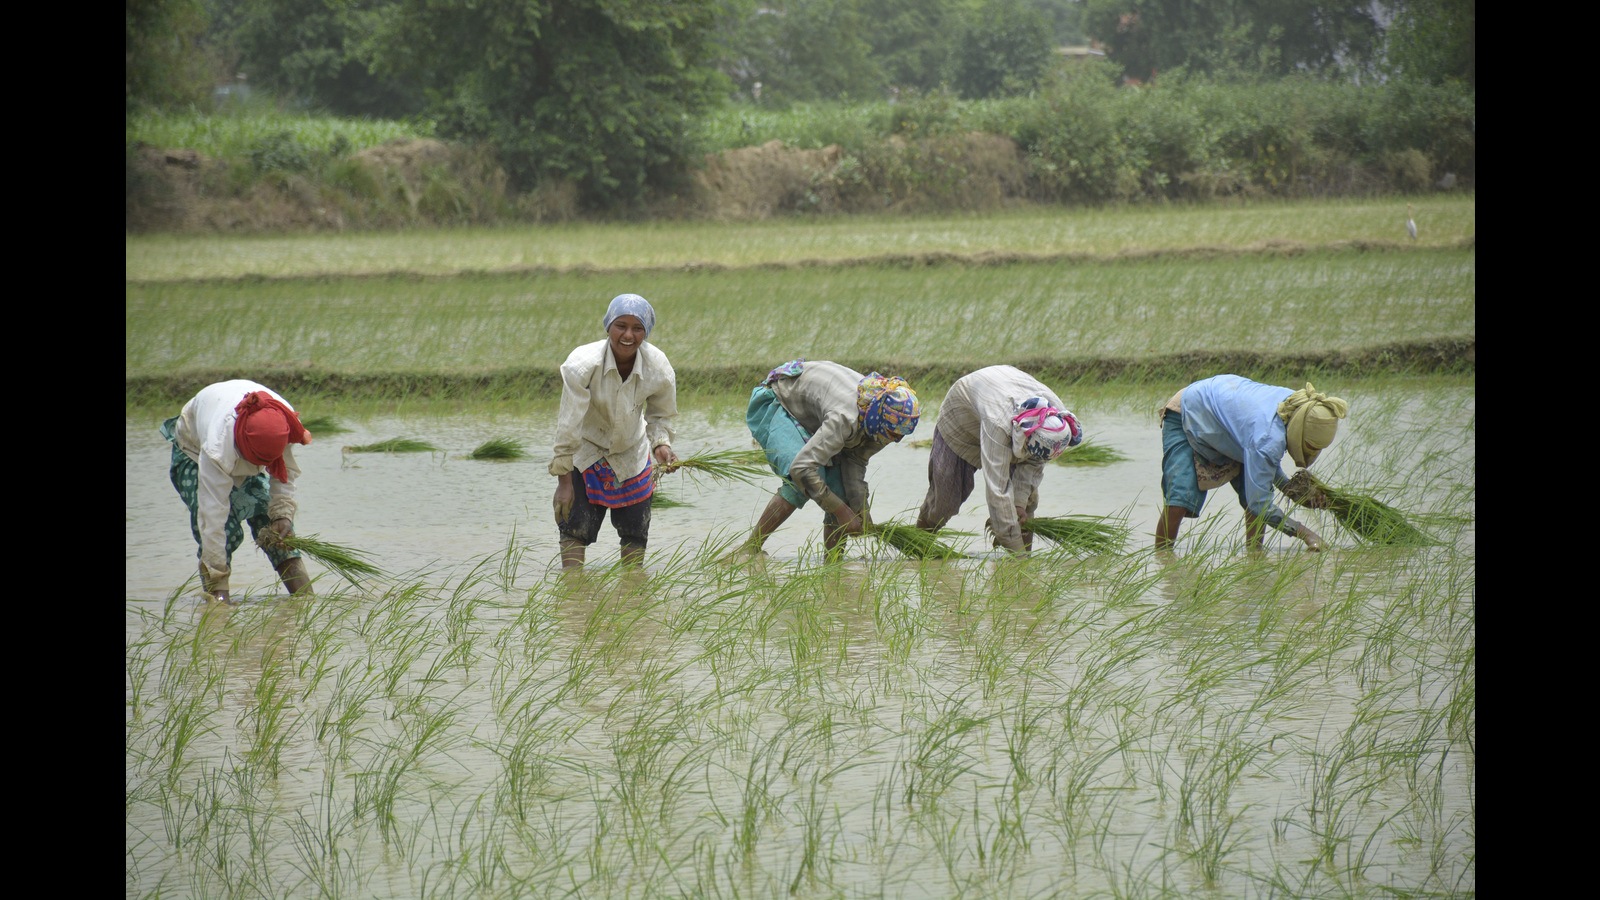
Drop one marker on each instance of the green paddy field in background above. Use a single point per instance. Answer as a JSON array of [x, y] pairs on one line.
[[1137, 292]]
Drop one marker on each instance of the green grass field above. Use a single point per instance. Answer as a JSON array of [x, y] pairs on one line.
[[937, 296]]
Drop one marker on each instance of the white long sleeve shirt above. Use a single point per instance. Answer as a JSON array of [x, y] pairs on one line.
[[205, 434], [604, 417], [975, 420]]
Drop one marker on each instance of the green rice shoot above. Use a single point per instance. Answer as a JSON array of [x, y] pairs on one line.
[[348, 562], [395, 445], [320, 425], [748, 466], [913, 541], [1083, 534], [1369, 518], [1089, 453], [662, 500], [499, 449]]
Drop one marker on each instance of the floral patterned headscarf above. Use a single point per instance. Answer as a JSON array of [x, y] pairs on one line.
[[887, 405]]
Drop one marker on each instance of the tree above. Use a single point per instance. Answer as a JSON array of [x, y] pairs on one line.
[[306, 53], [800, 49], [1066, 21], [595, 91], [911, 39], [165, 65], [1433, 41], [1240, 38], [1002, 47]]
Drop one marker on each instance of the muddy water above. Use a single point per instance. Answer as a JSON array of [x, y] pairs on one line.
[[1382, 634], [441, 510], [438, 511]]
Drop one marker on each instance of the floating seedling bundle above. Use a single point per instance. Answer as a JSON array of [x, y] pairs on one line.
[[1369, 518], [499, 449], [395, 445]]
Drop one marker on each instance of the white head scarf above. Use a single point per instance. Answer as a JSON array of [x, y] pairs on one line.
[[630, 305]]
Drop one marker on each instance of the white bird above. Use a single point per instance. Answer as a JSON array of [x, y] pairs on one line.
[[1411, 224]]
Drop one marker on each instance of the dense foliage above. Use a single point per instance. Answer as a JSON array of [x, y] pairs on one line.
[[616, 100]]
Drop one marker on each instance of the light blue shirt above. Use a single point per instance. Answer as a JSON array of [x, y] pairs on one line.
[[1227, 417]]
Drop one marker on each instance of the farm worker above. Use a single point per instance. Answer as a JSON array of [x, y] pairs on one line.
[[819, 422], [619, 398], [233, 462], [1005, 423], [1227, 429]]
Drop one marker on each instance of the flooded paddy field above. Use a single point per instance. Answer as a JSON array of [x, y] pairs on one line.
[[1127, 724]]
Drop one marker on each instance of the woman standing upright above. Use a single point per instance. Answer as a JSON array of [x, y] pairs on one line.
[[619, 398]]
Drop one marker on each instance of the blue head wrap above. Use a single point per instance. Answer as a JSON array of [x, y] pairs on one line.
[[630, 305]]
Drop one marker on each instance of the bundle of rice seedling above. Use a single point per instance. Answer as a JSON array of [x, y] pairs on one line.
[[394, 445], [748, 466], [346, 561], [1085, 534], [912, 541], [499, 449], [321, 425], [1369, 518], [1091, 454]]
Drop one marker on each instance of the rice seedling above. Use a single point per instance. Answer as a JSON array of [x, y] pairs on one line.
[[662, 500], [1090, 453], [1029, 232], [1371, 519], [394, 445], [347, 561], [912, 541], [1082, 534], [499, 449], [462, 330], [952, 728], [747, 466], [321, 425]]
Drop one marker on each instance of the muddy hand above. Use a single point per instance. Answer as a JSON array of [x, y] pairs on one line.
[[1312, 539], [666, 459], [563, 498]]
